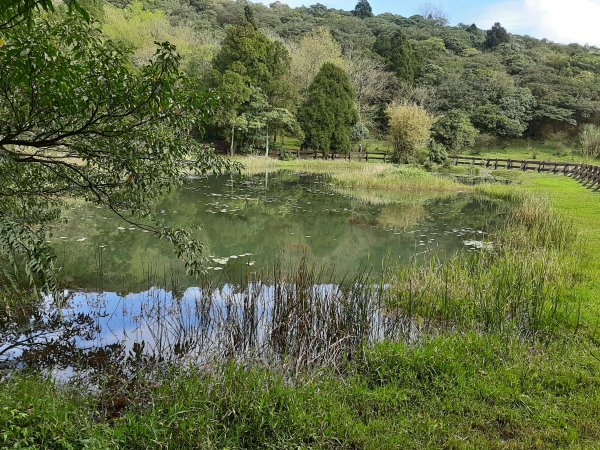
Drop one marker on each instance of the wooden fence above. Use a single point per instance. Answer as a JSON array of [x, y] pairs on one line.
[[352, 156], [586, 174]]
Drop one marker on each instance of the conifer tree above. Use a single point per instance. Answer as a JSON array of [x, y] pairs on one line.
[[363, 9], [398, 53], [329, 112]]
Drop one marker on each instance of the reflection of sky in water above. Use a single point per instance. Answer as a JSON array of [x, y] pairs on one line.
[[197, 327], [112, 319]]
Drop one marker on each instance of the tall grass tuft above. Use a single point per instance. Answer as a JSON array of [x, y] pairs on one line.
[[518, 286]]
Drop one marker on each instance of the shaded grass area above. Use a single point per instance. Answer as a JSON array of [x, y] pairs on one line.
[[460, 391]]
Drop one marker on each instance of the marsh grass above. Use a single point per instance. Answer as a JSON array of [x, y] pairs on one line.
[[356, 174], [519, 286]]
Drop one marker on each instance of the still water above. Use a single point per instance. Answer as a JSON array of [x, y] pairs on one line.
[[128, 299]]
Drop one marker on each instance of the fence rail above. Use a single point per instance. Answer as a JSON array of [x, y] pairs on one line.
[[352, 156], [586, 174]]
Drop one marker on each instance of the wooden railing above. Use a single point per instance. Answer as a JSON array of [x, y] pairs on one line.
[[352, 156], [587, 174]]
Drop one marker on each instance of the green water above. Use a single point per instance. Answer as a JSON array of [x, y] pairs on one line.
[[252, 223]]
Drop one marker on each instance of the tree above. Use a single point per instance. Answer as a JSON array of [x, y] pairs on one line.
[[373, 85], [253, 55], [76, 121], [409, 128], [328, 114], [308, 56], [435, 13], [249, 65], [495, 36], [363, 9], [398, 54], [455, 131]]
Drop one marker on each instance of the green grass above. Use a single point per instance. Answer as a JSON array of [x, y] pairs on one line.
[[459, 391], [533, 150], [359, 174]]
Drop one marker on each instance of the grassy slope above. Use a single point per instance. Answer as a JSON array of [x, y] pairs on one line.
[[455, 391]]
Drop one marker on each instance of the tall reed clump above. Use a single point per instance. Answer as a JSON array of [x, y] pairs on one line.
[[518, 286]]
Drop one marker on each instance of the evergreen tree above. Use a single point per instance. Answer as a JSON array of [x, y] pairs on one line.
[[363, 9], [398, 54], [251, 54], [495, 36], [329, 112]]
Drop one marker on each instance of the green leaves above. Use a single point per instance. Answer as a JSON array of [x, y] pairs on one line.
[[76, 120], [329, 112]]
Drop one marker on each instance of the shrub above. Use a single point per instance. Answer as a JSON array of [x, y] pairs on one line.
[[589, 140], [409, 128]]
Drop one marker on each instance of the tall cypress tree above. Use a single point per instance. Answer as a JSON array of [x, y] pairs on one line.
[[495, 36], [329, 112]]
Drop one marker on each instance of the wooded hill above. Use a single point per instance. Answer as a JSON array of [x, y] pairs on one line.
[[261, 60]]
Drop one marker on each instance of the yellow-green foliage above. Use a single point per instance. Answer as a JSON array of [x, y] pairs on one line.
[[357, 174], [313, 50], [410, 127], [137, 29]]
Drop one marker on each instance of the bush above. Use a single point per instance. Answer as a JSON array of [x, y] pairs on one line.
[[589, 140], [455, 131], [410, 127], [437, 153]]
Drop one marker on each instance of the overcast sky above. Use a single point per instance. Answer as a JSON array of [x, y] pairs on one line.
[[562, 21]]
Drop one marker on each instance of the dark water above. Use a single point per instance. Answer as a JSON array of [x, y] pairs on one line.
[[128, 301]]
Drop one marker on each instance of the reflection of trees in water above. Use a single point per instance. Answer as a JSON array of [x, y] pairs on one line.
[[271, 223], [300, 320]]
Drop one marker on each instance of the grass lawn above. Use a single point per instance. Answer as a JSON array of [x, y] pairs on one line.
[[532, 151]]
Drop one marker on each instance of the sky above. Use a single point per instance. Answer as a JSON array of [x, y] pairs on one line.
[[557, 20]]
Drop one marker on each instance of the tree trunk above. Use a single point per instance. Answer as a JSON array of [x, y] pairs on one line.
[[232, 140], [267, 150]]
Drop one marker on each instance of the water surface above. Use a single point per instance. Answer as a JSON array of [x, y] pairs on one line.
[[128, 301]]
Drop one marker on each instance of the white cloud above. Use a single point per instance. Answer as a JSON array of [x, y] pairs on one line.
[[557, 20]]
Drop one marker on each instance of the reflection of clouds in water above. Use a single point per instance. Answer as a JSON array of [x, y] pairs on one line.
[[260, 322]]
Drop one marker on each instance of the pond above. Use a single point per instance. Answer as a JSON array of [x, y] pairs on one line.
[[270, 239]]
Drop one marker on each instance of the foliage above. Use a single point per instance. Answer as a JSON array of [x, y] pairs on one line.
[[398, 54], [253, 55], [437, 152], [328, 113], [455, 131], [309, 55], [409, 127], [77, 121], [589, 141], [495, 36], [363, 9]]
